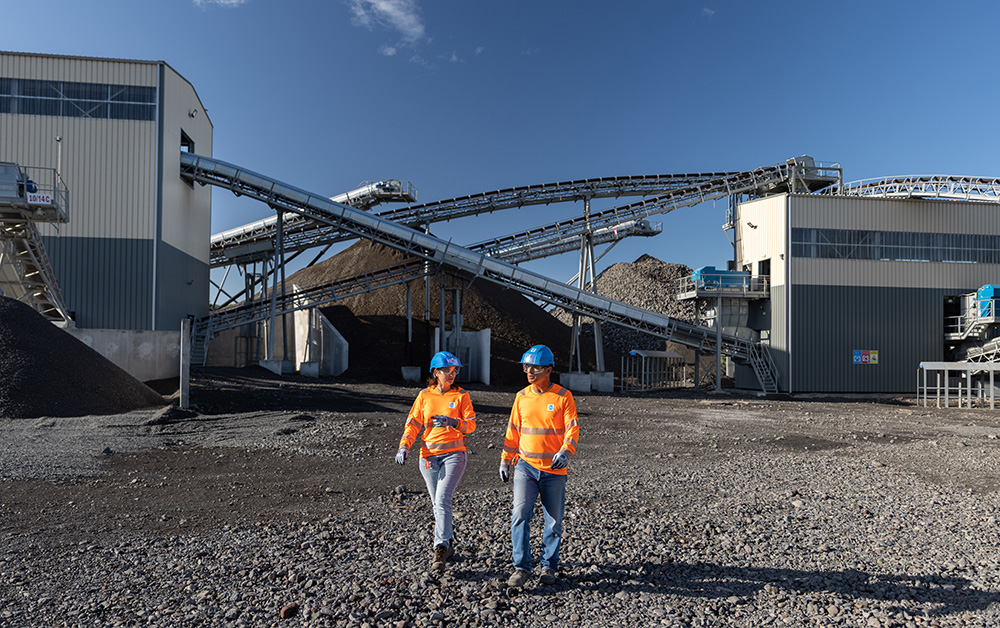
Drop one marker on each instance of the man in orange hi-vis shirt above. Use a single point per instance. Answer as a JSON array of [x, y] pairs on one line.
[[541, 436]]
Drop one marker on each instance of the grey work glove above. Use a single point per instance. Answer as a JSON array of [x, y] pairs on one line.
[[504, 471], [401, 455], [440, 420], [561, 459]]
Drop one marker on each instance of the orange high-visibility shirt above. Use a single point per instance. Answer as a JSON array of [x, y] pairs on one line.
[[455, 403], [540, 425]]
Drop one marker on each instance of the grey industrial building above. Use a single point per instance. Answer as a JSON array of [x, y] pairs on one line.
[[858, 284], [134, 253]]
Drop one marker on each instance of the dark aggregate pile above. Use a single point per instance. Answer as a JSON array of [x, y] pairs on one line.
[[48, 373], [647, 283], [375, 323]]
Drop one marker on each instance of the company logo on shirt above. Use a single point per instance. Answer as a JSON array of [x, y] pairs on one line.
[[451, 405], [551, 407]]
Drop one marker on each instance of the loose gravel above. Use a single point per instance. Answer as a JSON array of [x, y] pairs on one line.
[[48, 373], [681, 511]]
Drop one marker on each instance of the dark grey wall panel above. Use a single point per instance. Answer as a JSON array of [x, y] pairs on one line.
[[105, 281], [905, 326], [183, 288]]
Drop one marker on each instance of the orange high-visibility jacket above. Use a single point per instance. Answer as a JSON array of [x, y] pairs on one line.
[[540, 425], [454, 402]]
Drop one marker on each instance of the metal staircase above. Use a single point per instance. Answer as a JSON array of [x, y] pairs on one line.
[[437, 252], [28, 196]]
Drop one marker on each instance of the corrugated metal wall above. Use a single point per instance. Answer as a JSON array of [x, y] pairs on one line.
[[904, 325], [112, 269]]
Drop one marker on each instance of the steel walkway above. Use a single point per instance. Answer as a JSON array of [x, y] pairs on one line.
[[668, 192], [320, 209], [255, 241], [943, 186], [562, 236], [414, 215], [29, 195]]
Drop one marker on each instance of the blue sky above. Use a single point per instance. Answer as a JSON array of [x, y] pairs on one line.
[[465, 96]]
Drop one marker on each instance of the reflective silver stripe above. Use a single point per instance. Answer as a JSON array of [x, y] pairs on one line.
[[562, 392], [570, 440], [539, 456], [574, 423], [412, 421], [454, 443], [510, 450], [514, 428], [542, 431]]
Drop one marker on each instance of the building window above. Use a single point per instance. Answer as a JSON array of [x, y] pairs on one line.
[[187, 144], [896, 246], [77, 100]]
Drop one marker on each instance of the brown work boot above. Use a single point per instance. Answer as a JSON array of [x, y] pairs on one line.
[[517, 579], [441, 555]]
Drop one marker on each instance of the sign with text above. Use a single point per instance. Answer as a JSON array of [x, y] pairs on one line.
[[37, 198]]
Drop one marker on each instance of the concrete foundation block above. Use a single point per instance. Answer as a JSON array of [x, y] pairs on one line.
[[411, 373], [309, 369], [577, 382], [278, 367], [602, 381]]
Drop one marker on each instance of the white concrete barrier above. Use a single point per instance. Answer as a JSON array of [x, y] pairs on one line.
[[145, 355]]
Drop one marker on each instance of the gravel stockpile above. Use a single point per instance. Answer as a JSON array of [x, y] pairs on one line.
[[375, 323], [647, 283], [48, 373], [681, 511]]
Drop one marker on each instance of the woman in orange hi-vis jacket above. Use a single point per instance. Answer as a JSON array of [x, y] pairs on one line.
[[541, 436], [444, 412]]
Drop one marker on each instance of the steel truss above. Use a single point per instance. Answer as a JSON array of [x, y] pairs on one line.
[[949, 187], [306, 236], [284, 198]]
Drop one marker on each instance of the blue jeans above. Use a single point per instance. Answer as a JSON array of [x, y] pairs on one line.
[[442, 474], [529, 484]]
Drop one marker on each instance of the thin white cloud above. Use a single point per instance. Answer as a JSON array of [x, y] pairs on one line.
[[707, 12], [480, 50], [221, 3], [402, 16], [388, 51], [454, 57]]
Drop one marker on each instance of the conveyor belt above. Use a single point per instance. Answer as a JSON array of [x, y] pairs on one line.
[[669, 192], [943, 186], [411, 242]]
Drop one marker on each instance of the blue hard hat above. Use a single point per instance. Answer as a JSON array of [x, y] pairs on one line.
[[539, 355], [443, 359]]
